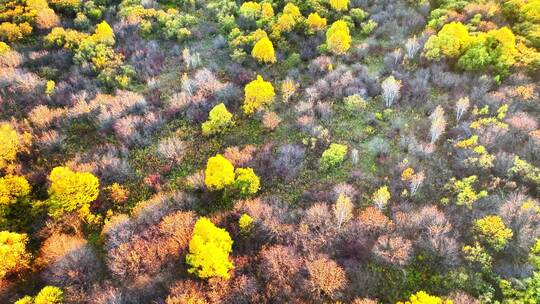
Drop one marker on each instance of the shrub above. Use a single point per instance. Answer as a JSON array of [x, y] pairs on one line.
[[333, 156], [70, 190], [326, 276], [338, 39], [70, 262], [393, 249], [465, 193], [368, 26], [219, 173], [247, 182], [209, 250], [271, 120], [10, 32], [13, 253], [47, 19], [257, 94], [172, 148], [288, 161], [218, 121], [358, 14], [492, 231], [263, 51], [422, 297]]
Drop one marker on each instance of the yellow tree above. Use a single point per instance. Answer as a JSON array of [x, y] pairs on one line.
[[11, 143], [263, 51], [338, 38], [13, 187], [219, 173], [70, 191], [449, 42], [423, 297], [104, 34], [257, 94], [209, 250], [316, 22], [339, 5], [13, 253]]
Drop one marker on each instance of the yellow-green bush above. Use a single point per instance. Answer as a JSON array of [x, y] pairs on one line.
[[219, 119], [492, 231], [247, 182]]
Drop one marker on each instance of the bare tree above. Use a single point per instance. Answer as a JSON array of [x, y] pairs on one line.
[[412, 46], [438, 124], [416, 181], [343, 210], [390, 87], [462, 105]]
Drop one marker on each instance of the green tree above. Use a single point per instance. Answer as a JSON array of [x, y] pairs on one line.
[[209, 250]]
